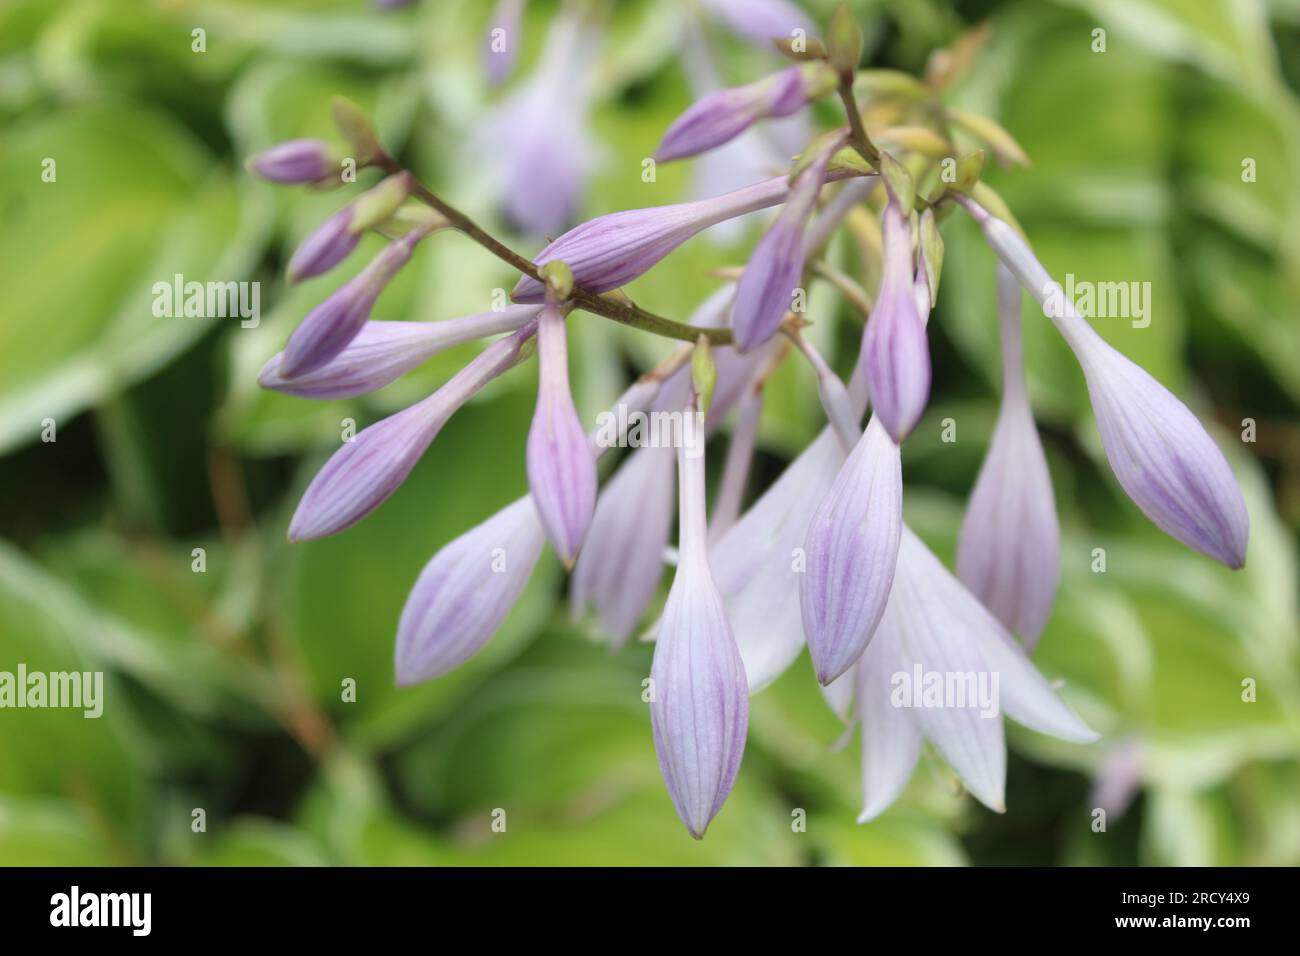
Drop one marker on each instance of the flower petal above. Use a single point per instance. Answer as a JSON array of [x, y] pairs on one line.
[[383, 352], [700, 708], [891, 736], [895, 352], [1009, 553], [465, 592], [361, 475], [561, 466], [852, 549]]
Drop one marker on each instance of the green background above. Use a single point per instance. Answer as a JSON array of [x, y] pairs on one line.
[[224, 687]]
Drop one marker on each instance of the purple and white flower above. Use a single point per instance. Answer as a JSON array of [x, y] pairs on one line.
[[1161, 454], [335, 239], [775, 270], [720, 117], [296, 161], [382, 352], [852, 549], [610, 251], [1009, 553], [933, 625], [895, 353], [465, 592], [561, 467], [700, 708], [331, 326], [361, 475]]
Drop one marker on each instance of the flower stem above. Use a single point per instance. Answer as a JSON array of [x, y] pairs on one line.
[[858, 137], [623, 312]]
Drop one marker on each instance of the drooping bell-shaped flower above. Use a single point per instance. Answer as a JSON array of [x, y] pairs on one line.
[[328, 328], [1009, 552], [722, 116], [339, 234], [465, 592], [760, 151], [561, 467], [895, 353], [610, 251], [371, 465], [296, 161], [775, 269], [1163, 457], [383, 352], [852, 549], [700, 708], [941, 666]]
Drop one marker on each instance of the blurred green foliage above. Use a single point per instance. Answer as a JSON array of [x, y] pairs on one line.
[[224, 687]]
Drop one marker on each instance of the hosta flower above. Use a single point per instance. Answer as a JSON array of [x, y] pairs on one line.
[[895, 354], [465, 592], [1009, 553], [1162, 456], [382, 352], [822, 556], [334, 240], [934, 626], [331, 326], [700, 707], [535, 144], [760, 151], [610, 251], [296, 161], [361, 475], [775, 270], [722, 116], [561, 468], [852, 547]]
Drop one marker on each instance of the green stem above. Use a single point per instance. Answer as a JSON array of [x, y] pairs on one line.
[[625, 313], [858, 137]]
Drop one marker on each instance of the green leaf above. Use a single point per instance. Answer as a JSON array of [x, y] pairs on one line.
[[132, 205]]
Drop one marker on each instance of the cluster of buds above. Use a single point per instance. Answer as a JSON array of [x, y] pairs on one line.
[[868, 599]]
